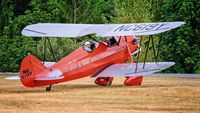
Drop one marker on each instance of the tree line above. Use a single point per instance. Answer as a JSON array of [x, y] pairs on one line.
[[180, 45]]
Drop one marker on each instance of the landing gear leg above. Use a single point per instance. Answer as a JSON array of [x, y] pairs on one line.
[[48, 88]]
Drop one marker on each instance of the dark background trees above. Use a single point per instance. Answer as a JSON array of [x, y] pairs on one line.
[[180, 45]]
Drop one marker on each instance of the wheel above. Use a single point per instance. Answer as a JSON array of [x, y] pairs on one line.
[[48, 88]]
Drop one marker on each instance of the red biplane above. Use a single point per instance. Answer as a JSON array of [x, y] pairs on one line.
[[103, 60]]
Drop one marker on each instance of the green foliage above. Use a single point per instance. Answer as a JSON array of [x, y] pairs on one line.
[[137, 11], [95, 11], [183, 44], [132, 11], [13, 46]]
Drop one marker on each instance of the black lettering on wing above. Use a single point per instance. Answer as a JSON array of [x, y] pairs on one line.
[[123, 28], [138, 27], [151, 27], [161, 26], [145, 26], [128, 28]]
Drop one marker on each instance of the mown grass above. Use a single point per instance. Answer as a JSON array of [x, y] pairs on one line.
[[156, 95]]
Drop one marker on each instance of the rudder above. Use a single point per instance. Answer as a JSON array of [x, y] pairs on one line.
[[30, 67]]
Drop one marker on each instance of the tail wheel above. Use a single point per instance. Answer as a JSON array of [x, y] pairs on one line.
[[48, 88]]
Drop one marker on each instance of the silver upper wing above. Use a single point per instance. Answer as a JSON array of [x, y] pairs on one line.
[[102, 30]]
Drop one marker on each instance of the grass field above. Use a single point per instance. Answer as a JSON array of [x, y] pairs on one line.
[[156, 95]]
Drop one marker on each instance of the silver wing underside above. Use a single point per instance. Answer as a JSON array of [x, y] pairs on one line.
[[102, 30], [119, 70], [174, 75]]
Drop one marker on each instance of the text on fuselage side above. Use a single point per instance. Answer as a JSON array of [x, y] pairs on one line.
[[26, 73]]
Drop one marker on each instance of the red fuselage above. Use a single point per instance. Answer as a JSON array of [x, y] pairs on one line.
[[78, 64]]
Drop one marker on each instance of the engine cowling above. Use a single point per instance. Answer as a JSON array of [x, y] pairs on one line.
[[104, 81], [133, 80]]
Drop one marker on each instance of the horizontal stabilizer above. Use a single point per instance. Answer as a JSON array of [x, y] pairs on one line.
[[37, 78], [102, 30], [53, 75], [48, 78], [118, 70], [48, 64]]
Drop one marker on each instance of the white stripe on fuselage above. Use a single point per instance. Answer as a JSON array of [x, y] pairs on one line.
[[93, 59]]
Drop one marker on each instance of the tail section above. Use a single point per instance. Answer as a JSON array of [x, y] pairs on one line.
[[30, 67]]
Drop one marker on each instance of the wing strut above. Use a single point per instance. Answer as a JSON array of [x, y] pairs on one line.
[[44, 49], [154, 51], [36, 46], [129, 52], [92, 38], [147, 49], [138, 55], [119, 40], [51, 49]]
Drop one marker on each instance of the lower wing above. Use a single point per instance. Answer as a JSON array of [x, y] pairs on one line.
[[121, 70], [118, 70]]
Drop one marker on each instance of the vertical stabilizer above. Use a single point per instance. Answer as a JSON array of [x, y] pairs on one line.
[[30, 67]]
